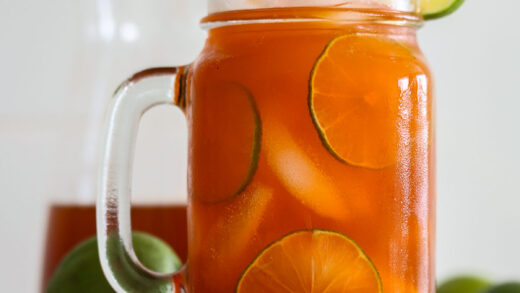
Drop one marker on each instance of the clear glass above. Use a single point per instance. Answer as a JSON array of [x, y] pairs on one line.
[[310, 159], [113, 39], [229, 5]]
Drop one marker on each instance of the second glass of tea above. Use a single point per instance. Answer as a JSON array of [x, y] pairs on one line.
[[310, 157]]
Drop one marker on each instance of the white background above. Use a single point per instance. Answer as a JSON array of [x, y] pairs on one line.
[[474, 54]]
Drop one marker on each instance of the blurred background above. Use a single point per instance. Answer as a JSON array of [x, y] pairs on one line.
[[60, 60]]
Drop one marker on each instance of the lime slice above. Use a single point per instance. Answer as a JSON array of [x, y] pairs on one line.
[[354, 97], [464, 284], [432, 9], [311, 261], [80, 270], [226, 136], [512, 287]]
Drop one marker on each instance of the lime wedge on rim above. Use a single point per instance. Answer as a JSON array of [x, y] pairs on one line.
[[431, 9]]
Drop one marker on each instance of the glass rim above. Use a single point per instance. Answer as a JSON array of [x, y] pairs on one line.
[[215, 6], [310, 14]]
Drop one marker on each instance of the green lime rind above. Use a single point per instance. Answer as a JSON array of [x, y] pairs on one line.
[[443, 12], [360, 250], [255, 151], [464, 284], [511, 287], [310, 103], [155, 254], [80, 271], [323, 137]]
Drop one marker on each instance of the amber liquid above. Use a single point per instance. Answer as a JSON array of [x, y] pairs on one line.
[[68, 225], [297, 183]]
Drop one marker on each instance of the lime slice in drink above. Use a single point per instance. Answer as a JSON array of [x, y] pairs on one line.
[[354, 97], [432, 9], [226, 137], [80, 270], [311, 261], [464, 284]]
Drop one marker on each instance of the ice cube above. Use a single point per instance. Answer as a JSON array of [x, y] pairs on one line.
[[302, 177]]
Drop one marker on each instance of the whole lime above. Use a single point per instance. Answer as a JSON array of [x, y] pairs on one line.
[[464, 284], [80, 271], [511, 287]]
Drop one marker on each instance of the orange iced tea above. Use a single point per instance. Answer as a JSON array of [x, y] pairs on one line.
[[311, 155]]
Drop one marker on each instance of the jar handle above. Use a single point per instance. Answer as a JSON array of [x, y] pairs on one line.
[[144, 90]]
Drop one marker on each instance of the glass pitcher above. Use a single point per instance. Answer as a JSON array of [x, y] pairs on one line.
[[113, 39], [310, 157]]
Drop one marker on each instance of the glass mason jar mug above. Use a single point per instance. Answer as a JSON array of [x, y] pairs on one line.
[[311, 154]]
